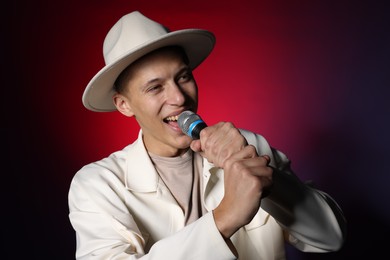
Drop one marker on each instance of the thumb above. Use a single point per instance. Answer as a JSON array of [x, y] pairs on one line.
[[196, 146]]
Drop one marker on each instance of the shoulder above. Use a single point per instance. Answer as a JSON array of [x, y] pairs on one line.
[[106, 170], [278, 158], [256, 140], [99, 184]]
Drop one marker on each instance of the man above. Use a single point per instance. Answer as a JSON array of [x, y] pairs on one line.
[[166, 196]]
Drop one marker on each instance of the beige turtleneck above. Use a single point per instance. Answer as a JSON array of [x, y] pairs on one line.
[[181, 175]]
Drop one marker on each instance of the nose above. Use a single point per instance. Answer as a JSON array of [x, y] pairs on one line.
[[175, 95]]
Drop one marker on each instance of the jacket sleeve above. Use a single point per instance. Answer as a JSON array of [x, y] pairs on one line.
[[312, 220], [106, 230]]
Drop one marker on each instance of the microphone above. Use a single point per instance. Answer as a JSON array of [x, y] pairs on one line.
[[191, 124]]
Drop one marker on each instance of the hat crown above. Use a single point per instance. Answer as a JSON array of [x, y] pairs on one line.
[[131, 31]]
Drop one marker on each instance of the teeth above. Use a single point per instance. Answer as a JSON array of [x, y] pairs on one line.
[[172, 118]]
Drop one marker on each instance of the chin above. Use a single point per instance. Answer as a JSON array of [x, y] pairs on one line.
[[184, 141]]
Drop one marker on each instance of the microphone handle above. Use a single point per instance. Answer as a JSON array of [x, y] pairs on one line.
[[195, 128]]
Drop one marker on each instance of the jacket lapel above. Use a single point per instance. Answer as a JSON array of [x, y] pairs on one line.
[[141, 176], [212, 185]]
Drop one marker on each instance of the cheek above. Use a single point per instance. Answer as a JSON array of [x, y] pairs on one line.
[[149, 107], [192, 91]]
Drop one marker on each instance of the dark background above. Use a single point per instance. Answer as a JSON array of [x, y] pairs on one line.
[[311, 76]]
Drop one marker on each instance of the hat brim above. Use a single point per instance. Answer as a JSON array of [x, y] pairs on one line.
[[98, 94]]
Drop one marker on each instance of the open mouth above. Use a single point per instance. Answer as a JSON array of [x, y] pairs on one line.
[[170, 119]]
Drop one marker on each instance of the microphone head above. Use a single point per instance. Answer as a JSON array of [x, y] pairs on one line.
[[185, 119], [191, 124]]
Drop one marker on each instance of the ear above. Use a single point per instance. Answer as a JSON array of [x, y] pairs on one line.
[[123, 105]]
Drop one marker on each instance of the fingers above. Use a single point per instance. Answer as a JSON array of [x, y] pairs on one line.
[[223, 134], [256, 166], [247, 165], [247, 180], [221, 141], [266, 157], [196, 146], [248, 152]]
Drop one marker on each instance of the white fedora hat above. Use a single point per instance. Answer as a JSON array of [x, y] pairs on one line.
[[133, 36]]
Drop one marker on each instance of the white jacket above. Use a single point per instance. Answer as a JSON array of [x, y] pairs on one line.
[[121, 209]]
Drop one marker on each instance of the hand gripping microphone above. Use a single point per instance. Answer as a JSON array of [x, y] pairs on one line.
[[191, 124]]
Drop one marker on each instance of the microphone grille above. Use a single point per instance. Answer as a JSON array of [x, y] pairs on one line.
[[185, 119]]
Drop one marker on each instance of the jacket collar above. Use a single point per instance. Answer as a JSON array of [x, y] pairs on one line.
[[141, 176]]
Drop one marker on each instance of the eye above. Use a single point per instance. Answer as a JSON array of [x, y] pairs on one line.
[[153, 89], [185, 77]]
